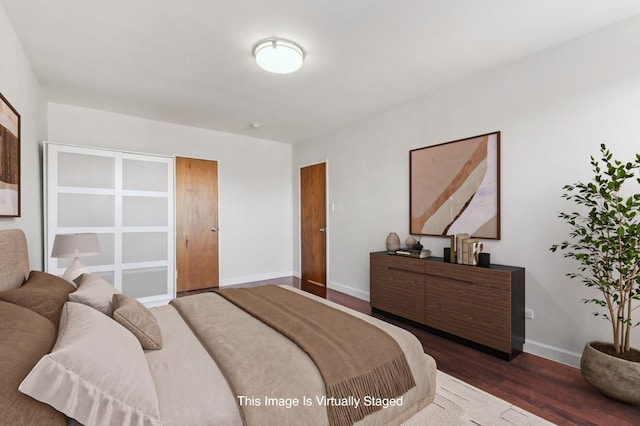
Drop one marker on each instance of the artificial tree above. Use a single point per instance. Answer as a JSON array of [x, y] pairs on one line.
[[605, 240]]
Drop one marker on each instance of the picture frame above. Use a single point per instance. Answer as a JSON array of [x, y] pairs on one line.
[[9, 159], [455, 188]]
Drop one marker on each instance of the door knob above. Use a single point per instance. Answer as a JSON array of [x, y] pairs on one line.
[[323, 229], [214, 229]]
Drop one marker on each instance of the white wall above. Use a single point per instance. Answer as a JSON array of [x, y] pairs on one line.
[[254, 181], [21, 88], [554, 109]]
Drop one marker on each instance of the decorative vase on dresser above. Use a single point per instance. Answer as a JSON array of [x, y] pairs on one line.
[[393, 242], [410, 242]]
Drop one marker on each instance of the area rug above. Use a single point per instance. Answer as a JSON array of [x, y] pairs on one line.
[[459, 403]]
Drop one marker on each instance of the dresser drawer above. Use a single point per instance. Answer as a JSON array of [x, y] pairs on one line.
[[469, 273], [398, 292], [399, 262], [477, 312]]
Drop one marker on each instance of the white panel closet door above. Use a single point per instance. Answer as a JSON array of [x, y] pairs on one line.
[[127, 199]]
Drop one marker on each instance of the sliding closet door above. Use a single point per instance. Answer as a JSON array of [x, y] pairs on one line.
[[127, 199]]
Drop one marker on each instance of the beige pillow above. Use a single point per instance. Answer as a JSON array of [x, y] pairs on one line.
[[42, 293], [94, 291], [96, 373], [139, 320], [25, 337]]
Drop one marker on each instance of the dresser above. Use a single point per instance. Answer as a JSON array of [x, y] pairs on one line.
[[477, 306]]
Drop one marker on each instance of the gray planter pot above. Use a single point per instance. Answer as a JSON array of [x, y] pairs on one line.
[[616, 378]]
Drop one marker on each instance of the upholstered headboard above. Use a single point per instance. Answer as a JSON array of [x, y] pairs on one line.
[[14, 259]]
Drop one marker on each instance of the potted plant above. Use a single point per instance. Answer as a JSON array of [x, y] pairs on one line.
[[605, 240]]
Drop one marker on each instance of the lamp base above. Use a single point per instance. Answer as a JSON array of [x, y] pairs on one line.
[[74, 270]]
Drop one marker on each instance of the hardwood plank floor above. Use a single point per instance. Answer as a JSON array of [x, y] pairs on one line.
[[551, 390]]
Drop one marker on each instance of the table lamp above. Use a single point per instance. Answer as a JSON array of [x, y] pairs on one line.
[[76, 246]]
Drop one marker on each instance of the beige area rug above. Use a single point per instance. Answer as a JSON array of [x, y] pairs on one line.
[[459, 403]]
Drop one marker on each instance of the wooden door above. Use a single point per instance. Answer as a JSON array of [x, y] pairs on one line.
[[313, 224], [196, 224]]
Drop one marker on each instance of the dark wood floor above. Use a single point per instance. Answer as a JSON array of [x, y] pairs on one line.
[[551, 390]]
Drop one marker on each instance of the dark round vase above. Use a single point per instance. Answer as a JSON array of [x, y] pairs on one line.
[[614, 377]]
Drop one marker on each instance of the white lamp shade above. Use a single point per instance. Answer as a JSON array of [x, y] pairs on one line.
[[75, 245], [278, 56]]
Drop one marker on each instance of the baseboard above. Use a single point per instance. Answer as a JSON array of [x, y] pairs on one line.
[[155, 300], [553, 353], [360, 294], [252, 278]]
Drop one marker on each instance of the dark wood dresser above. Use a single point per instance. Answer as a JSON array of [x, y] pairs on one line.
[[480, 307]]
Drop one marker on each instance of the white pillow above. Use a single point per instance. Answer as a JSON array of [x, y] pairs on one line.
[[96, 373], [95, 292]]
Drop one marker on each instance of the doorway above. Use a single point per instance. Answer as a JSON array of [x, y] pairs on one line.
[[313, 229], [196, 224]]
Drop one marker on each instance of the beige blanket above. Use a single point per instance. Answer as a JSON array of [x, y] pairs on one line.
[[360, 363]]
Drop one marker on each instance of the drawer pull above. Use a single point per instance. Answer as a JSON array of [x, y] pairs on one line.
[[451, 279], [391, 268]]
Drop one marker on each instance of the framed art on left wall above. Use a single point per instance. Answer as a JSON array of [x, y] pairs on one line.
[[9, 160]]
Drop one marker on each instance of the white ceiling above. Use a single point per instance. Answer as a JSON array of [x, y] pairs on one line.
[[190, 61]]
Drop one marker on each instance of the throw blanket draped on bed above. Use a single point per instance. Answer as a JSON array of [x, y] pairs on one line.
[[358, 361]]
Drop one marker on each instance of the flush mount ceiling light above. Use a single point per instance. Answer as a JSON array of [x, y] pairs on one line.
[[278, 55]]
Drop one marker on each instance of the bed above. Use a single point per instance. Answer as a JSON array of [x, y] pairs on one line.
[[89, 355]]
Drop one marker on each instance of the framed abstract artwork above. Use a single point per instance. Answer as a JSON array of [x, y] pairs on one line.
[[455, 188], [9, 160]]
